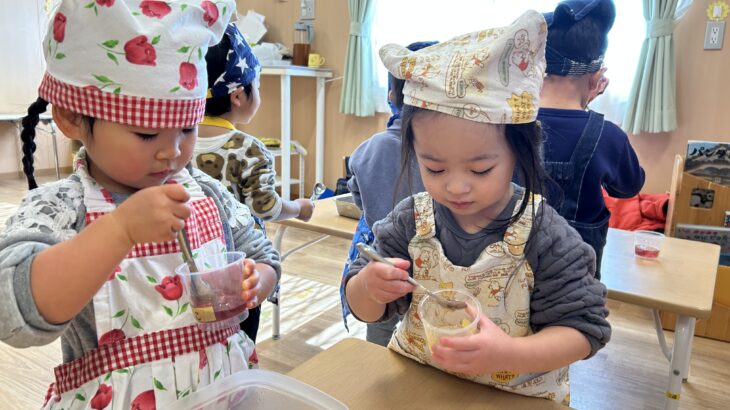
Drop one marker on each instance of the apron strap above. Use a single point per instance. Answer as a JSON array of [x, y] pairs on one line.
[[423, 213], [582, 155]]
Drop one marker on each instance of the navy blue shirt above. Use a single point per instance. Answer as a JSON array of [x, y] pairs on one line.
[[614, 164]]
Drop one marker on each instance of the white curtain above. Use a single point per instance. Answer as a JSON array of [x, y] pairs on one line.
[[406, 21], [22, 27]]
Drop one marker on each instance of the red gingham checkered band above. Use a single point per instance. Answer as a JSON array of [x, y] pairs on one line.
[[203, 226], [145, 348], [122, 109]]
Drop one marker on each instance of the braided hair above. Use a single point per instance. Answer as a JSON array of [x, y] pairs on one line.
[[27, 136]]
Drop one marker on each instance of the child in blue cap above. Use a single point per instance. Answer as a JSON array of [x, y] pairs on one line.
[[582, 151], [239, 160]]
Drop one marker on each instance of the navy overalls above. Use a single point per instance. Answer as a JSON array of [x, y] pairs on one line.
[[569, 176]]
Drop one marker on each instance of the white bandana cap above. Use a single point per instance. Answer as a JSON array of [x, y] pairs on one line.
[[491, 76], [134, 62]]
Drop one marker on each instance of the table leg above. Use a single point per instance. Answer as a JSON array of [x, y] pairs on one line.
[[285, 136], [276, 321], [685, 365], [680, 360], [319, 132]]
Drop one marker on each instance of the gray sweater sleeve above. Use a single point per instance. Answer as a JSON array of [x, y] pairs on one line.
[[48, 215], [392, 235], [246, 238], [565, 292]]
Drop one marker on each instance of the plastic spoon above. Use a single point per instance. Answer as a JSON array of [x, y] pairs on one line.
[[372, 255]]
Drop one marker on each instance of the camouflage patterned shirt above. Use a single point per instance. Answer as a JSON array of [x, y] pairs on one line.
[[245, 166]]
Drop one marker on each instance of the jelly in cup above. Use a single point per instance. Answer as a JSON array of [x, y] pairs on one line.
[[215, 291], [439, 320], [648, 244]]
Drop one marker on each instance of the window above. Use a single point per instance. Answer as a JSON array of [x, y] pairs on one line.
[[406, 21], [22, 27]]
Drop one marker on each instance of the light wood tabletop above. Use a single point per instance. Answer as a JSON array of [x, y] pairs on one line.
[[681, 280], [364, 375], [325, 221]]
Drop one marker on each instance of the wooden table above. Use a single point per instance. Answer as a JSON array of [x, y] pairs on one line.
[[680, 281], [364, 375], [325, 221]]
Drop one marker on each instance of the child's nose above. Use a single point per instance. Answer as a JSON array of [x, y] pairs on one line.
[[457, 186], [171, 150]]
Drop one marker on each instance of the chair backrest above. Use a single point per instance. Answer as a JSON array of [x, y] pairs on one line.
[[674, 187]]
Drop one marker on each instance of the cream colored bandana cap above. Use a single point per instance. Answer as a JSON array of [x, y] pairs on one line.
[[492, 76]]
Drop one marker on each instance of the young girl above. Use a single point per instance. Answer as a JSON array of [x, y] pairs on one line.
[[582, 152], [92, 258], [240, 161], [469, 119]]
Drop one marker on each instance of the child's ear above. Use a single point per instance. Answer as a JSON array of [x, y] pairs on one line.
[[70, 123], [238, 97], [596, 80]]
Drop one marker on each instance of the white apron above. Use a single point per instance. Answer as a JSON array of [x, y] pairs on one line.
[[150, 353], [501, 279]]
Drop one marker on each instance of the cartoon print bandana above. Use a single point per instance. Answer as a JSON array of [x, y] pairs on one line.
[[242, 66], [134, 62], [490, 76]]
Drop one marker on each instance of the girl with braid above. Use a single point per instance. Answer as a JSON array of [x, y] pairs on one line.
[[91, 258]]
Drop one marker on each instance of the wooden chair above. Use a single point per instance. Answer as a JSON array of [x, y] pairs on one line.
[[677, 172]]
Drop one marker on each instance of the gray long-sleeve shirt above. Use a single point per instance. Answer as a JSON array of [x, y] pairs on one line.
[[565, 292], [54, 213], [376, 166]]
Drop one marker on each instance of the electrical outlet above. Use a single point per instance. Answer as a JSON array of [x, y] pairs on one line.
[[714, 35], [307, 9]]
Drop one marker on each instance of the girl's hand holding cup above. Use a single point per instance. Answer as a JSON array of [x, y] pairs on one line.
[[250, 287]]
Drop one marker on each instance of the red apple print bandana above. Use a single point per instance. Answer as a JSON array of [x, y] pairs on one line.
[[134, 62], [490, 76]]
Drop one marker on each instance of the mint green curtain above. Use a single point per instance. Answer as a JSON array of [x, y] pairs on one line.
[[652, 103], [358, 81]]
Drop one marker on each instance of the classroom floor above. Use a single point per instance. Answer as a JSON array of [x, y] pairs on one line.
[[630, 373]]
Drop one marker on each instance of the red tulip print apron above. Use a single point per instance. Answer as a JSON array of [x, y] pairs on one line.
[[150, 352]]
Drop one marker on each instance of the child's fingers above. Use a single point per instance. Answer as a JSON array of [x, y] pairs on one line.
[[453, 361], [387, 272], [249, 267], [251, 295], [251, 281], [461, 344], [176, 192], [396, 287], [400, 263], [180, 210]]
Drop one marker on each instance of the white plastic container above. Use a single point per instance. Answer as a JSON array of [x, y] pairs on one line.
[[257, 389]]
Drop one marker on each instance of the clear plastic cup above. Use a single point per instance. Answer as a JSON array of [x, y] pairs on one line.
[[439, 320], [648, 244], [215, 290]]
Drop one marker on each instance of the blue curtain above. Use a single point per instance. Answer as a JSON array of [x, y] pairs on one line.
[[357, 94], [652, 103]]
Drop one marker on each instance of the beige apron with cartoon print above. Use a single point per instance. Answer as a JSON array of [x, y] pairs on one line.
[[501, 279], [149, 352]]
